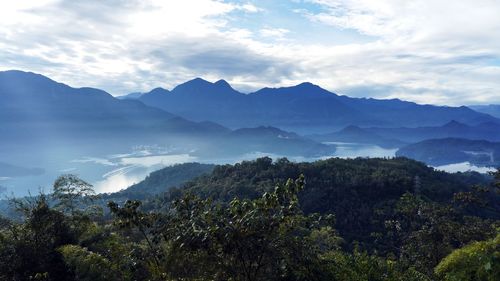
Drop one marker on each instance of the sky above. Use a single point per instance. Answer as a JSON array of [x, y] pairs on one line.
[[428, 51]]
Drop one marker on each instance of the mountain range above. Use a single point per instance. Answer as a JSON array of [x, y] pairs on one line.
[[305, 108], [37, 114], [489, 131]]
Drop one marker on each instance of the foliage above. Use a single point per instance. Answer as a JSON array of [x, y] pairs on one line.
[[86, 265], [358, 219], [28, 250], [260, 239], [478, 261]]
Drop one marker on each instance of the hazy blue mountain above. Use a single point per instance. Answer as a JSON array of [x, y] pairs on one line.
[[43, 117], [355, 134], [7, 171], [491, 109], [195, 98], [40, 111], [484, 131], [304, 108], [131, 96], [453, 150]]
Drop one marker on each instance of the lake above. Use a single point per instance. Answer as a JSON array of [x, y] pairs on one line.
[[114, 172]]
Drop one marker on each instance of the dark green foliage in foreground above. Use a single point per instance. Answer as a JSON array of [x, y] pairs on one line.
[[266, 238], [29, 250], [362, 193], [346, 220]]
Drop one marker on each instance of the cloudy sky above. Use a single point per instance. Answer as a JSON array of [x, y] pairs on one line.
[[428, 51]]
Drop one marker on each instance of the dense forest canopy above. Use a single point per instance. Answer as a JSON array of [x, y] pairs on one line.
[[334, 219]]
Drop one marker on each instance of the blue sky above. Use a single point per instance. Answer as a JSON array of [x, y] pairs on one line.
[[428, 51]]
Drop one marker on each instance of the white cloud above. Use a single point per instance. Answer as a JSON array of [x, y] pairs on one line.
[[276, 33], [432, 51], [250, 8]]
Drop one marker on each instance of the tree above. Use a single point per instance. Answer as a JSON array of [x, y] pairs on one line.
[[28, 251], [72, 194], [87, 265]]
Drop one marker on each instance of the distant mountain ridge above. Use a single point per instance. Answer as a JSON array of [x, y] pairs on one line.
[[46, 116], [304, 108], [491, 109], [355, 134], [453, 150], [489, 131]]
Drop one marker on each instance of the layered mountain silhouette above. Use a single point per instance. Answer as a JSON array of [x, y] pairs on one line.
[[304, 108], [37, 113]]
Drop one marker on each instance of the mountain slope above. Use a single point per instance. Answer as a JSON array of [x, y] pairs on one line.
[[491, 109]]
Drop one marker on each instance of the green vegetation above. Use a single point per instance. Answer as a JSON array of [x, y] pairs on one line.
[[477, 261], [359, 219]]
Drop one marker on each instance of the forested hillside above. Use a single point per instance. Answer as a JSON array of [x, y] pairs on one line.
[[335, 219]]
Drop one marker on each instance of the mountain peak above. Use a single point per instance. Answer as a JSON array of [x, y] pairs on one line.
[[222, 82], [304, 88], [196, 81], [31, 77], [306, 84], [199, 86], [352, 128], [454, 124], [159, 90]]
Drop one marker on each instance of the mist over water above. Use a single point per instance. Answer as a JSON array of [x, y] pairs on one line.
[[352, 150], [464, 167], [111, 173]]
